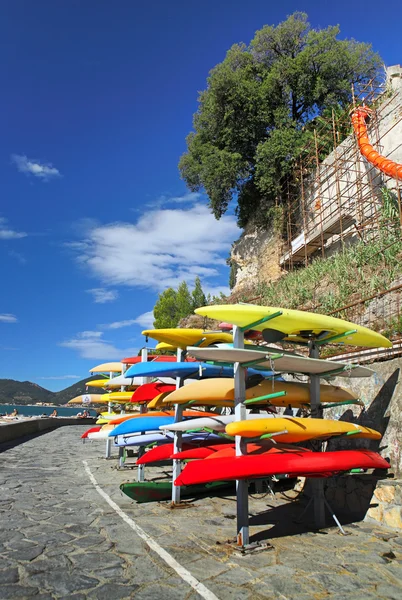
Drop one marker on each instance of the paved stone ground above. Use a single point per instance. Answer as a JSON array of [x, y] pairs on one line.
[[60, 539]]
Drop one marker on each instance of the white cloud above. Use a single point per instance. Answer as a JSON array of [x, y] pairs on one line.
[[162, 249], [30, 166], [61, 377], [89, 344], [18, 257], [187, 198], [101, 295], [9, 234], [8, 318], [118, 324], [145, 320]]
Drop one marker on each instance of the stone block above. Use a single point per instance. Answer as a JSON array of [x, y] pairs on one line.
[[385, 493], [393, 517], [376, 513]]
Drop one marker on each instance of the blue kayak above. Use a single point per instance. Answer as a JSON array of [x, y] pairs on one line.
[[141, 424], [195, 370]]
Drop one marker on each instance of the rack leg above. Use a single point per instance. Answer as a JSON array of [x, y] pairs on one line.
[[335, 518], [317, 484], [108, 451], [121, 457], [177, 446], [243, 538]]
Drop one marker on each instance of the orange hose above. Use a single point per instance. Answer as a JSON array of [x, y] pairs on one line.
[[389, 167]]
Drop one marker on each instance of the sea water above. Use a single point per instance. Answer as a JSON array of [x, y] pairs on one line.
[[37, 411]]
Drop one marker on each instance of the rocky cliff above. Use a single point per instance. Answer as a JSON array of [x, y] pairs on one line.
[[255, 257]]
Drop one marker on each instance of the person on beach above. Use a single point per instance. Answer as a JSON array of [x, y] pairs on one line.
[[83, 415], [14, 413], [54, 413]]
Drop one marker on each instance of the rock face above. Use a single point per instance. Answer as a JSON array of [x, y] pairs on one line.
[[386, 504], [256, 256]]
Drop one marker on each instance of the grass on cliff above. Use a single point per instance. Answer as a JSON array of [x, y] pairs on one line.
[[328, 284]]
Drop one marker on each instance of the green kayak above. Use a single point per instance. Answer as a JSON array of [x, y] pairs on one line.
[[155, 491]]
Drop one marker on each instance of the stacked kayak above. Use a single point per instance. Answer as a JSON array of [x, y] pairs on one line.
[[206, 442]]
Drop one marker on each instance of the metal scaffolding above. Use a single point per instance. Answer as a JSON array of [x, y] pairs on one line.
[[336, 200]]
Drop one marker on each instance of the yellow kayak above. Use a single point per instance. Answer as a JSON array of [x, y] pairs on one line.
[[165, 346], [295, 325], [120, 396], [181, 338], [98, 383], [90, 399], [299, 429], [158, 401], [110, 367], [220, 392]]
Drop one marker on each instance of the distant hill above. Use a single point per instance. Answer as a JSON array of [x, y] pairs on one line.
[[26, 392]]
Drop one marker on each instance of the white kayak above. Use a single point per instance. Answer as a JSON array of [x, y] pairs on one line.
[[99, 435], [217, 423]]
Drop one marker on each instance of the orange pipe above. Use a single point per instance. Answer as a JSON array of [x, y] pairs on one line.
[[389, 167]]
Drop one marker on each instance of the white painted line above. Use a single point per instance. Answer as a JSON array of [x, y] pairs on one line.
[[200, 588]]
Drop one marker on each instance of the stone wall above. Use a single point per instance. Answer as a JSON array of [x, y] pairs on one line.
[[19, 429], [386, 504]]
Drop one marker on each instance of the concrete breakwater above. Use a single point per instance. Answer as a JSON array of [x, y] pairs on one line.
[[18, 429]]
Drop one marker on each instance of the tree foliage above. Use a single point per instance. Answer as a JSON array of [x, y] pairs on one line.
[[173, 305], [198, 297], [251, 121]]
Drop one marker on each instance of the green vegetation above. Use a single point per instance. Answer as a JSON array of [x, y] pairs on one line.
[[173, 305], [260, 108], [358, 272]]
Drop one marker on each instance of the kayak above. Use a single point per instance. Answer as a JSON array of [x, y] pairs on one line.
[[294, 464], [156, 491]]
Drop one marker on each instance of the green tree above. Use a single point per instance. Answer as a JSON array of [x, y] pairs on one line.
[[173, 305], [184, 301], [251, 120], [198, 296], [165, 310]]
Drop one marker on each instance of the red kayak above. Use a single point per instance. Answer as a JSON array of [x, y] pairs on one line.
[[294, 464], [133, 360], [92, 430], [202, 451], [149, 391], [165, 451], [229, 450], [256, 450]]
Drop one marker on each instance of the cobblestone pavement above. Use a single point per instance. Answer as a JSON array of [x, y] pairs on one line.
[[59, 538]]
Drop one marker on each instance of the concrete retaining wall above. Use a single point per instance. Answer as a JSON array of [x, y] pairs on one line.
[[13, 431]]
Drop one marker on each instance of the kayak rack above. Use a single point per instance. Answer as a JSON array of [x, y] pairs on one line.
[[318, 499], [266, 397]]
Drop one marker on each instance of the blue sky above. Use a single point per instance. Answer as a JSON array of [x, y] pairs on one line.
[[96, 101]]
